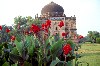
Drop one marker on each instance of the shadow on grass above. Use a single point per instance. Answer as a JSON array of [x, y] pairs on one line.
[[89, 54]]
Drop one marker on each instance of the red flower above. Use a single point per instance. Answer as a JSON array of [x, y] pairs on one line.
[[48, 23], [34, 28], [0, 27], [46, 30], [80, 36], [12, 38], [66, 49], [7, 30], [61, 24], [31, 30], [44, 26], [63, 34]]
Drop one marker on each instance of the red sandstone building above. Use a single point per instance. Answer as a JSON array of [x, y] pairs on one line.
[[55, 13]]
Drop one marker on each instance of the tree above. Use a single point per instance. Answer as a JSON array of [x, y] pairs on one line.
[[98, 40], [93, 35]]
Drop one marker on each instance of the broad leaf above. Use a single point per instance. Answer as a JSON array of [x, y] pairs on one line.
[[1, 46], [27, 64], [14, 64], [15, 58], [15, 51], [31, 45], [56, 47], [18, 37], [69, 63], [31, 49], [54, 62], [37, 42], [6, 64], [19, 47], [51, 40], [10, 46], [28, 41]]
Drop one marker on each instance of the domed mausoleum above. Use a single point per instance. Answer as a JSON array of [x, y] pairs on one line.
[[55, 13], [52, 9]]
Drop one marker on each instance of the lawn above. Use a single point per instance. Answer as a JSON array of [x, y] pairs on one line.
[[90, 53]]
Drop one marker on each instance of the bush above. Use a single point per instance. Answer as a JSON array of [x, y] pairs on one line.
[[98, 40], [33, 46]]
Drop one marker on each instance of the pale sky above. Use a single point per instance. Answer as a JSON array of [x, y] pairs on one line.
[[87, 12]]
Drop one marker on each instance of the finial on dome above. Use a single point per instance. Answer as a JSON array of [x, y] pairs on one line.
[[52, 2]]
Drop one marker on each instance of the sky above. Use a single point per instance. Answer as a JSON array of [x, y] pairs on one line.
[[87, 12]]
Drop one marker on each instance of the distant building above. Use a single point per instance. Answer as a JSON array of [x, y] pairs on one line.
[[55, 13]]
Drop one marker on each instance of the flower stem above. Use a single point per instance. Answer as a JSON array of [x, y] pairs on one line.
[[65, 58]]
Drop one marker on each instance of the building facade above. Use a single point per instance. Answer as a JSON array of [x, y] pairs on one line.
[[55, 13]]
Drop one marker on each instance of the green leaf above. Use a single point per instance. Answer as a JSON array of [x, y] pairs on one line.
[[51, 40], [10, 46], [37, 42], [14, 64], [6, 64], [19, 47], [62, 63], [69, 63], [28, 41], [1, 46], [31, 46], [27, 64], [15, 51], [18, 37], [47, 40], [15, 58], [56, 47], [54, 62], [31, 49]]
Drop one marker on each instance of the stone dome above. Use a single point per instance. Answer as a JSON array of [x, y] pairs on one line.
[[52, 7]]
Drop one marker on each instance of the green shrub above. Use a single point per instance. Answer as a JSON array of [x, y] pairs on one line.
[[98, 40]]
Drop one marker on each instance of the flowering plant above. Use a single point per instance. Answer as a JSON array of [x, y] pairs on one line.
[[34, 46]]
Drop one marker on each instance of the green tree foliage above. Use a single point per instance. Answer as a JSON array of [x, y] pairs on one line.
[[92, 35], [25, 21], [98, 40]]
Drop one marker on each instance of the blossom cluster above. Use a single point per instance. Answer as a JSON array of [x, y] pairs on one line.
[[7, 30], [12, 38], [67, 48]]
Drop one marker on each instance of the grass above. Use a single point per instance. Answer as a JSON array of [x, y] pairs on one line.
[[90, 53]]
